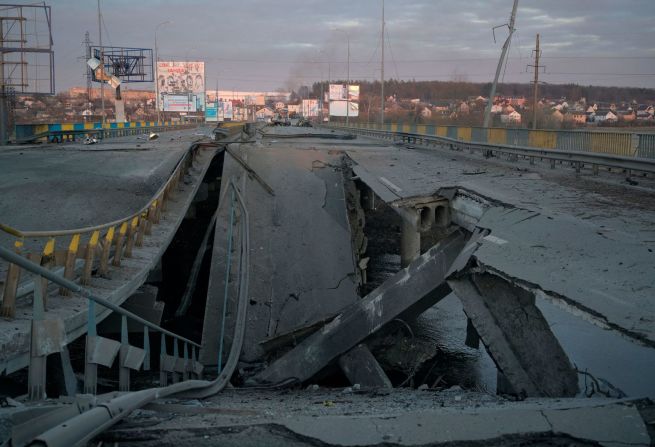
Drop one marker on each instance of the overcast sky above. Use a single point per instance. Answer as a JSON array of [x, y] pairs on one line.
[[269, 44]]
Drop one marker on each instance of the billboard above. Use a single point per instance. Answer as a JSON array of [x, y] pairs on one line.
[[180, 103], [310, 108], [228, 111], [181, 79], [255, 100], [338, 92], [211, 112], [338, 108]]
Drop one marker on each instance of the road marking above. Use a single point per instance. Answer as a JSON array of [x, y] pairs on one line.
[[495, 240], [390, 185]]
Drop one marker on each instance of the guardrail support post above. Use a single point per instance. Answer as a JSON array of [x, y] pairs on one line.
[[118, 254], [69, 267], [106, 248], [194, 360], [141, 230], [131, 230], [176, 356], [88, 258], [594, 169], [90, 369], [8, 309], [150, 220], [37, 370], [47, 260], [155, 212], [187, 366], [552, 163], [163, 374], [123, 371], [146, 348]]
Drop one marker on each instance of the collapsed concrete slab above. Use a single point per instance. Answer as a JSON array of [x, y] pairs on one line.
[[421, 282], [516, 335], [361, 367]]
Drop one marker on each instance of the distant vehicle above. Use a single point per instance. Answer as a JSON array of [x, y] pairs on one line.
[[280, 120]]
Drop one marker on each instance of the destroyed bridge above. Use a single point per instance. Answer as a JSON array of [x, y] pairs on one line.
[[210, 262]]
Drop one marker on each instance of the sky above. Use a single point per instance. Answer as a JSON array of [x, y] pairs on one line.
[[282, 44]]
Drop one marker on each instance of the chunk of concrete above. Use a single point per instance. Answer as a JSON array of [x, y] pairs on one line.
[[516, 335], [360, 366]]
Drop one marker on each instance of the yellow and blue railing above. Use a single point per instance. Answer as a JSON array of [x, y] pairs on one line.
[[625, 144], [58, 132]]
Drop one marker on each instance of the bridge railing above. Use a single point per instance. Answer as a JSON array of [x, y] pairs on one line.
[[625, 144], [48, 334], [103, 245], [59, 132], [71, 426], [576, 159]]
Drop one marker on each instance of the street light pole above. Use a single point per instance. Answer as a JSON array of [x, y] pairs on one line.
[[156, 67], [347, 76]]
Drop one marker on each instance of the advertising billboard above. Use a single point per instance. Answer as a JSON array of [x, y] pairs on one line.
[[338, 92], [181, 79], [228, 111], [310, 108], [180, 103], [255, 100], [338, 108], [211, 112]]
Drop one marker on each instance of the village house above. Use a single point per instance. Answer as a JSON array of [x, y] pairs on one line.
[[557, 115], [578, 118], [264, 113], [513, 117]]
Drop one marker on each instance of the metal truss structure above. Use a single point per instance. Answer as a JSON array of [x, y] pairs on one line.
[[128, 64]]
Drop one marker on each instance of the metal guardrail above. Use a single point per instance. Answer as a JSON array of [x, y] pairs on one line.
[[78, 424], [577, 159], [626, 144], [122, 235]]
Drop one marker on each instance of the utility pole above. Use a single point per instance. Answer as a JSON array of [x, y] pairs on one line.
[[382, 72], [348, 83], [501, 61], [102, 65], [4, 106], [87, 55], [535, 98]]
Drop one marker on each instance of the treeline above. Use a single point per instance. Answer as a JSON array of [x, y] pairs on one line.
[[432, 91]]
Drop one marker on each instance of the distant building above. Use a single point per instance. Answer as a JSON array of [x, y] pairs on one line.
[[426, 112], [576, 117], [264, 114], [513, 117]]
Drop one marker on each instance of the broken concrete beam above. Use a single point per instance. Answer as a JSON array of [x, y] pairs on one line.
[[357, 321], [516, 335], [361, 367]]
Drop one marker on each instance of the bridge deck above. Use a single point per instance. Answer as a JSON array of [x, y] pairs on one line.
[[589, 240], [104, 182]]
